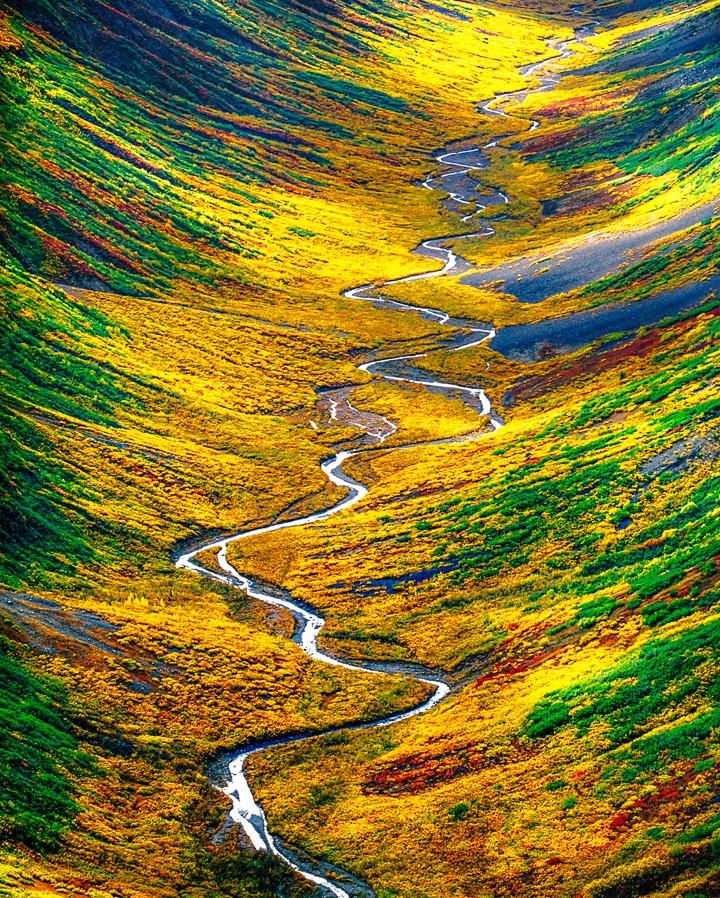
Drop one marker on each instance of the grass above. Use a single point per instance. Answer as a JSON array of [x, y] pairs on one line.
[[38, 752]]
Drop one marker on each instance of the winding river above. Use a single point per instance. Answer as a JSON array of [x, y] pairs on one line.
[[308, 623]]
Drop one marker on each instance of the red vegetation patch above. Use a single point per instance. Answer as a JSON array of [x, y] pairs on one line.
[[511, 666], [594, 363], [620, 821], [415, 773], [591, 364]]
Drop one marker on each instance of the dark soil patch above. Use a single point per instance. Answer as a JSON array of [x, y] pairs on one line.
[[560, 336], [599, 256]]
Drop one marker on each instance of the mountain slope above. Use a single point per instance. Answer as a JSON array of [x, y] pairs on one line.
[[565, 570], [186, 190]]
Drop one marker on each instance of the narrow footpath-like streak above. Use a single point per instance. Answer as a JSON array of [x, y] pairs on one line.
[[308, 623]]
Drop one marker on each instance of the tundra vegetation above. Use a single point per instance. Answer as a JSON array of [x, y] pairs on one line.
[[187, 190]]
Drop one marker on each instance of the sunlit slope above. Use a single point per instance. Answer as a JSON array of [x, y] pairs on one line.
[[167, 135], [629, 134], [564, 569]]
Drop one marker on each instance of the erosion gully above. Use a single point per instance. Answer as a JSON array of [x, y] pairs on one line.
[[308, 623]]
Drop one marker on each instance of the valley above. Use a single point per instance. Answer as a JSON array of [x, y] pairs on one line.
[[454, 632]]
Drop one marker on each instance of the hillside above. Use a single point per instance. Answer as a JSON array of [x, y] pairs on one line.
[[189, 192]]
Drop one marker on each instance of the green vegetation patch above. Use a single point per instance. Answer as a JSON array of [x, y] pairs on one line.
[[38, 752], [47, 370], [630, 704]]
